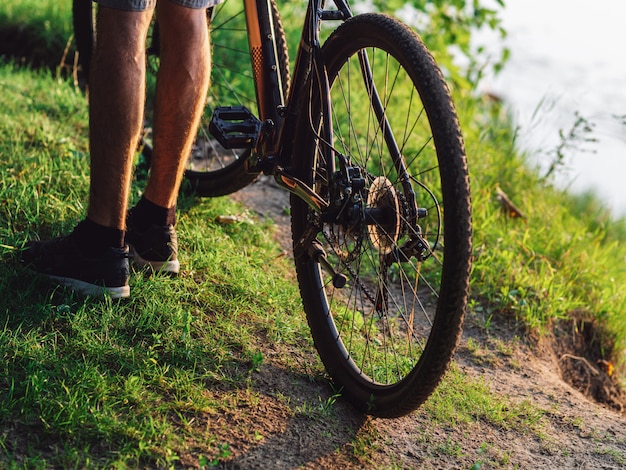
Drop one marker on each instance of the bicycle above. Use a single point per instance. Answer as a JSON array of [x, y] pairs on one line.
[[365, 137]]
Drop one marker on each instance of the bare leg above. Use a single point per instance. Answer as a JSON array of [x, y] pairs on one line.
[[182, 84], [116, 100]]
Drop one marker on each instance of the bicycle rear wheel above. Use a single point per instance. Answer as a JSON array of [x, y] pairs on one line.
[[402, 237], [83, 24], [214, 170]]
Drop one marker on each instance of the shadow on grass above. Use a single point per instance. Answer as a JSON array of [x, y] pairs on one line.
[[86, 380]]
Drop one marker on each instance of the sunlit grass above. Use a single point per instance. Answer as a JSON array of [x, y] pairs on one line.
[[561, 260], [86, 383], [109, 379]]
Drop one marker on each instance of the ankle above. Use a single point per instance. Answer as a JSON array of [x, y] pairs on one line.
[[93, 239], [147, 213]]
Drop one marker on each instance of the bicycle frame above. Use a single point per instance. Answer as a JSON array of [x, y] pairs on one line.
[[274, 150], [262, 43]]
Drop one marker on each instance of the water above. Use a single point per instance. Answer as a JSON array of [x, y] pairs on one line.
[[567, 57]]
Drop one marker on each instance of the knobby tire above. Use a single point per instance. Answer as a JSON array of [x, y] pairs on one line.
[[388, 336]]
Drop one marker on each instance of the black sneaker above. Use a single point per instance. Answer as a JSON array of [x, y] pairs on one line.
[[61, 260], [155, 248]]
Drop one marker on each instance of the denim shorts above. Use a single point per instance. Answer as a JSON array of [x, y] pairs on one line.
[[143, 5]]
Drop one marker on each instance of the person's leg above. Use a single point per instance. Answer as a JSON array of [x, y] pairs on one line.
[[116, 100], [93, 259], [181, 88]]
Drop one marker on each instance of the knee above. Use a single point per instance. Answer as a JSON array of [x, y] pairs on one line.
[[181, 27], [120, 36]]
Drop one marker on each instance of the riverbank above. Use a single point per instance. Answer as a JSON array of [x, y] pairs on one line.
[[565, 63]]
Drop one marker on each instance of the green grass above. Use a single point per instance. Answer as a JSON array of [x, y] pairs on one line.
[[86, 383], [461, 400], [35, 32], [565, 259], [93, 379]]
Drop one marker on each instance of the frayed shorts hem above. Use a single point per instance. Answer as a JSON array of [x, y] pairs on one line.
[[144, 5]]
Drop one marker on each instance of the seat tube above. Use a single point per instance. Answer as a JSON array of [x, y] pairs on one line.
[[263, 55]]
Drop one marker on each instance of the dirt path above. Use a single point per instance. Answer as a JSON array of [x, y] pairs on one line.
[[305, 427]]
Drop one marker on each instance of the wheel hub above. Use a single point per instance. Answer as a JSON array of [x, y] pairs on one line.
[[383, 199]]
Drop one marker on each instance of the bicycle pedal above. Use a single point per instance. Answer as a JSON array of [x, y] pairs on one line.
[[234, 127]]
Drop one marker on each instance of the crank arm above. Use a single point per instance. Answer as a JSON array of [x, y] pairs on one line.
[[309, 246], [317, 254]]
